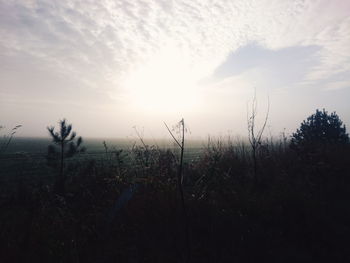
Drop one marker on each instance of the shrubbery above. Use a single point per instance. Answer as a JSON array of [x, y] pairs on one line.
[[126, 208], [320, 130]]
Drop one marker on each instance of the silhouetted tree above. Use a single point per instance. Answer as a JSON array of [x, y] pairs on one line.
[[319, 130], [64, 147]]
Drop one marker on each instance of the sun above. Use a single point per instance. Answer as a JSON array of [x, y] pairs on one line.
[[165, 84]]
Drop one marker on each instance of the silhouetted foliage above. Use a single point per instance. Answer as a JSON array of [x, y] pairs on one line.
[[6, 139], [122, 206], [319, 131], [64, 147]]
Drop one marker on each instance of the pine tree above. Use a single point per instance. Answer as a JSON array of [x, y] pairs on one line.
[[65, 145], [319, 130]]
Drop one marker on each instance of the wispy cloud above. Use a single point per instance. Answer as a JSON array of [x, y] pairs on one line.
[[337, 85], [101, 40]]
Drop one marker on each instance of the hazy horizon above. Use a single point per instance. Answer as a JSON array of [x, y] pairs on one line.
[[224, 138], [109, 66]]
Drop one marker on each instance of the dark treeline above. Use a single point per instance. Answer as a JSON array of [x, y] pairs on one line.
[[282, 200]]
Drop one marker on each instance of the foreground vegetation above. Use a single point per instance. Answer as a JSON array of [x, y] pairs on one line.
[[286, 203]]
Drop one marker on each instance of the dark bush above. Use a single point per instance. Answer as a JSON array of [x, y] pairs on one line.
[[318, 132]]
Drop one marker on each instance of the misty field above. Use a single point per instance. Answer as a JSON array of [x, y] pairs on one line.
[[27, 156]]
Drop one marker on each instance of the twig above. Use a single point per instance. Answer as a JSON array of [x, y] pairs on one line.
[[172, 135]]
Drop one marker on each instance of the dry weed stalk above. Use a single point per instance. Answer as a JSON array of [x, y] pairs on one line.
[[254, 136], [181, 127]]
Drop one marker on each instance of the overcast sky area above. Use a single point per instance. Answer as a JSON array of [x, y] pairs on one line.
[[107, 66]]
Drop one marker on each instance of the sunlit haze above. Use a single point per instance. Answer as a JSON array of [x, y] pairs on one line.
[[107, 66]]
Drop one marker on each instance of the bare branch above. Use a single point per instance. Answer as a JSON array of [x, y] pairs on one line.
[[266, 117], [140, 137], [172, 135]]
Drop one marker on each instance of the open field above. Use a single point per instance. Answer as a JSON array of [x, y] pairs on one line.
[[26, 157]]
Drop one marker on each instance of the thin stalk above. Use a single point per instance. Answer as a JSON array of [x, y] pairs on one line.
[[180, 187], [61, 183]]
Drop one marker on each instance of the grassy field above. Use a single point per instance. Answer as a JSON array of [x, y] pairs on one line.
[[26, 157]]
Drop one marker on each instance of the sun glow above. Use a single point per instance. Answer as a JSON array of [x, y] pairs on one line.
[[165, 84]]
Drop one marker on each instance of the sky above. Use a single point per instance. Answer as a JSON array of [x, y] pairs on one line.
[[108, 66]]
